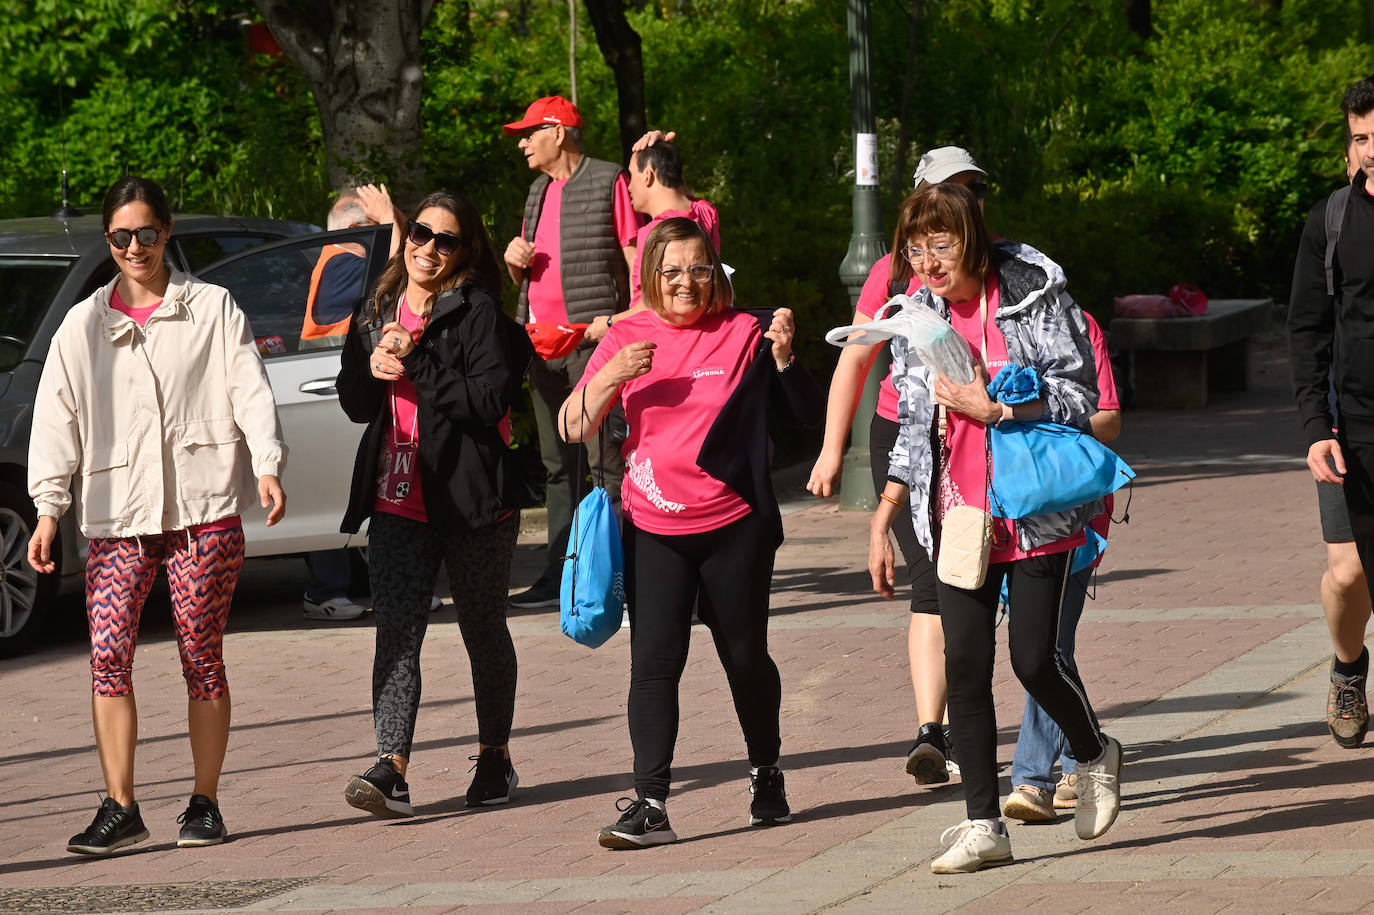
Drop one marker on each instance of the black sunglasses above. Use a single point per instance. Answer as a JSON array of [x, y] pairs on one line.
[[444, 243], [121, 238]]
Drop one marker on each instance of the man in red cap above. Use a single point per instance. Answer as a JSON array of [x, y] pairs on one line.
[[572, 263]]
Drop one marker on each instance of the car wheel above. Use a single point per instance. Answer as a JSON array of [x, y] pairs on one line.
[[25, 596]]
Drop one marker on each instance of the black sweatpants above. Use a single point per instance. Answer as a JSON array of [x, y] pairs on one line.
[[1359, 499], [1036, 586], [403, 560], [726, 573]]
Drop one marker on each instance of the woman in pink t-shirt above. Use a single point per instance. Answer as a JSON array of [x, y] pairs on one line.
[[682, 369], [1009, 303], [431, 365]]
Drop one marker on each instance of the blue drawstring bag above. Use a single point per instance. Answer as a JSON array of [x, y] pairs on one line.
[[592, 598], [1042, 467]]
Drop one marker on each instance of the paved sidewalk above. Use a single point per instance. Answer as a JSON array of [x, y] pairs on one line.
[[1204, 652]]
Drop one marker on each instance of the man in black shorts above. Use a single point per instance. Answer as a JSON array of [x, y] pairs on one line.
[[1331, 343]]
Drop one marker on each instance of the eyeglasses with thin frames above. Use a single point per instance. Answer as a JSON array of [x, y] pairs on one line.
[[529, 132], [942, 253], [121, 238], [699, 273]]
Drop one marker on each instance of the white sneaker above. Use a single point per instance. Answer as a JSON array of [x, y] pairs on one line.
[[972, 846], [337, 608], [1099, 793]]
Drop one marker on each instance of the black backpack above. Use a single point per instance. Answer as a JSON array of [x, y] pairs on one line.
[[1335, 215]]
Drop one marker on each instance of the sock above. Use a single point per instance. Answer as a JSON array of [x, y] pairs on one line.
[[656, 804], [1357, 668], [995, 824]]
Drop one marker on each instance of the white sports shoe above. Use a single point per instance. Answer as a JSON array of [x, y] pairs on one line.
[[1099, 793], [972, 846], [337, 608]]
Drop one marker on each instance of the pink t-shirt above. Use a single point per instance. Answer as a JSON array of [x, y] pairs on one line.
[[141, 315], [670, 409], [964, 479], [1107, 399], [399, 490], [701, 212], [873, 297], [545, 270]]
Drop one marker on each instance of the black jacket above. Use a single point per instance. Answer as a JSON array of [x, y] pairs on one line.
[[467, 370], [737, 449], [1332, 341]]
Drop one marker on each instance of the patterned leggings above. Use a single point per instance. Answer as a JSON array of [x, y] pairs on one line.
[[201, 572], [403, 558]]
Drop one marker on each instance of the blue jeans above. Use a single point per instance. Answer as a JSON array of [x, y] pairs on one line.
[[330, 572], [1041, 740]]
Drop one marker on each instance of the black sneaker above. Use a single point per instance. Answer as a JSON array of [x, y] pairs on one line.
[[927, 761], [113, 828], [381, 791], [769, 806], [543, 593], [494, 781], [951, 761], [201, 823], [641, 825]]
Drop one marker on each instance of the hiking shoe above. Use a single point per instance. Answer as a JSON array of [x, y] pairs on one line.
[[1347, 709], [769, 806], [539, 595], [336, 608], [1099, 793], [201, 823], [972, 846], [494, 781], [641, 825], [1029, 803], [113, 828], [928, 760], [381, 791], [1066, 792]]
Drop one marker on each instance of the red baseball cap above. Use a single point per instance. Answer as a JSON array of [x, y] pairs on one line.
[[552, 109]]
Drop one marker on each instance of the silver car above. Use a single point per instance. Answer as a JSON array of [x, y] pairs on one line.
[[48, 265]]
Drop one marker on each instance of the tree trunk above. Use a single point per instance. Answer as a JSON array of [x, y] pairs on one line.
[[1138, 16], [906, 116], [619, 44], [361, 59]]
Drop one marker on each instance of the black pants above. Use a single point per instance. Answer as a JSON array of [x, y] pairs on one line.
[[726, 574], [920, 571], [1037, 586], [1359, 498]]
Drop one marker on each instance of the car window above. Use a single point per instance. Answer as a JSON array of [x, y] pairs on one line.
[[200, 251], [300, 295], [27, 288]]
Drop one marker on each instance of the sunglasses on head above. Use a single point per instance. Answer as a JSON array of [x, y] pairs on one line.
[[444, 243], [121, 238]]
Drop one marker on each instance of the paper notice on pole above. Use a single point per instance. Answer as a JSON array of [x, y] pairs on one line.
[[865, 158]]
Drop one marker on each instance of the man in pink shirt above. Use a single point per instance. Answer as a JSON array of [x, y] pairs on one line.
[[572, 263], [657, 190]]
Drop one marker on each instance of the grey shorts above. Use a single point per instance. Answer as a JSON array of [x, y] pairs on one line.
[[1335, 516]]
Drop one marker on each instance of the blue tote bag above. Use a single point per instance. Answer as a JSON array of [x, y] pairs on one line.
[[592, 596], [1043, 467]]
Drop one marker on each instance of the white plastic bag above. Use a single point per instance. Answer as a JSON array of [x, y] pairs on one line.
[[931, 339]]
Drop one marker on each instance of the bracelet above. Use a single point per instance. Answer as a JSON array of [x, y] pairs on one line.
[[1007, 414], [886, 498]]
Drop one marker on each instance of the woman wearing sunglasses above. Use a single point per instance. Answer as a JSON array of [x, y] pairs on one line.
[[701, 524], [1009, 303], [431, 365], [154, 397]]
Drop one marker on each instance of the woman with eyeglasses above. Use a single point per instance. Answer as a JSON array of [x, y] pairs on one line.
[[930, 754], [154, 398], [701, 523], [432, 366], [1009, 303]]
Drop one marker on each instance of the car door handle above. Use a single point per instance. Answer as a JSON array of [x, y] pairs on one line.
[[322, 386]]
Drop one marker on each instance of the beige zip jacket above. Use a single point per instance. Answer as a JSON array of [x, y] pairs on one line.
[[163, 426]]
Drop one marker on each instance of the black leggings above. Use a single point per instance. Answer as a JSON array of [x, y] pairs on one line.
[[1036, 586], [403, 559], [726, 574]]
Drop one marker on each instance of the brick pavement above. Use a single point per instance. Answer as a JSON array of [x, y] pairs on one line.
[[1204, 652]]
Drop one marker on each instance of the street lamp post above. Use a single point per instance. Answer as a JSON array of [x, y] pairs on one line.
[[866, 245]]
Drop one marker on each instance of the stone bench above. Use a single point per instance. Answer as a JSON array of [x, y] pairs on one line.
[[1175, 362]]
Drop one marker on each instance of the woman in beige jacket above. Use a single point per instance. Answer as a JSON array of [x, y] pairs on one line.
[[154, 397]]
